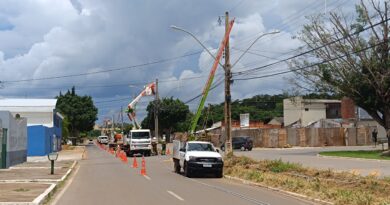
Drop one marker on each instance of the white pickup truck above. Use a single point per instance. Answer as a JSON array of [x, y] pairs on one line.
[[197, 157]]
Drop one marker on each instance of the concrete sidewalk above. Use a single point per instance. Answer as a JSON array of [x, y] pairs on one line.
[[31, 182]]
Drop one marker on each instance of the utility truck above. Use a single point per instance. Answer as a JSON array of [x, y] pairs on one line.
[[197, 157], [138, 142]]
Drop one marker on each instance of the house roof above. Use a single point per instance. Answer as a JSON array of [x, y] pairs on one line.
[[27, 105]]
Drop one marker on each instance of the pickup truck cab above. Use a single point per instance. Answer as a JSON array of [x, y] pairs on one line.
[[197, 157]]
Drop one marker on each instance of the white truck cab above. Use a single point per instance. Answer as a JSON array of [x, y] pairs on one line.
[[139, 142], [197, 157]]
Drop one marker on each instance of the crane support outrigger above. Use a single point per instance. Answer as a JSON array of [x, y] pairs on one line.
[[206, 89]]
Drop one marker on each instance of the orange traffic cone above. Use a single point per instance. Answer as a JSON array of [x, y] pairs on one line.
[[143, 168], [168, 152], [124, 158], [135, 164]]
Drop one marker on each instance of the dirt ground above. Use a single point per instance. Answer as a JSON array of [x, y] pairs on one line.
[[32, 174], [21, 192]]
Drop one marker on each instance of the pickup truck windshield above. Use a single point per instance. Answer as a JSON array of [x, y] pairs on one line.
[[140, 135], [200, 147]]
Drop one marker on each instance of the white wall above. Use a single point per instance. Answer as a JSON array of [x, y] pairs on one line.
[[315, 112], [291, 110], [37, 118]]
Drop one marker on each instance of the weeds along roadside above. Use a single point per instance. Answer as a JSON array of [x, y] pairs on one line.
[[328, 185]]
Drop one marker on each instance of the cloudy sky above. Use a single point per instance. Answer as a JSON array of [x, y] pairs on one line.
[[111, 49]]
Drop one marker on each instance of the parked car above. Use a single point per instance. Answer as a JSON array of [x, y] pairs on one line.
[[241, 142], [90, 141]]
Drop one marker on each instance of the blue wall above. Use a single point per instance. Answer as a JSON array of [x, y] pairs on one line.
[[41, 139]]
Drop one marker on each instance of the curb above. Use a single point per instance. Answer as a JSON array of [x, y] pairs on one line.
[[353, 158], [296, 195], [38, 200]]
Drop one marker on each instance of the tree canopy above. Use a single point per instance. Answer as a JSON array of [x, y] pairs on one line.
[[349, 57], [79, 111], [173, 115]]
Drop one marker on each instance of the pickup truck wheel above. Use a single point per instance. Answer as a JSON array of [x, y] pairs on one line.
[[187, 171], [219, 174], [177, 167]]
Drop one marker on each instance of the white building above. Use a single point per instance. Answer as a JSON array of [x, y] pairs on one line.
[[37, 111], [307, 111]]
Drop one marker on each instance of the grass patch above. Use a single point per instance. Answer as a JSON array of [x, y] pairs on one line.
[[336, 187], [364, 154]]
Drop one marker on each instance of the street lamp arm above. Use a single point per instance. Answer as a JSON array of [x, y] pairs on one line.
[[197, 40], [262, 35]]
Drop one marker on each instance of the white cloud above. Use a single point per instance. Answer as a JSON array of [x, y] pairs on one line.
[[64, 37]]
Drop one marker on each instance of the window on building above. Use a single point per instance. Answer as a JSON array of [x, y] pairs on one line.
[[333, 110]]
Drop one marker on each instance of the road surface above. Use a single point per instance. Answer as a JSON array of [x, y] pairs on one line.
[[103, 179], [308, 158]]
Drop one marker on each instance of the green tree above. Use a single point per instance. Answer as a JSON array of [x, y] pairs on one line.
[[79, 111], [65, 130], [354, 58], [173, 115]]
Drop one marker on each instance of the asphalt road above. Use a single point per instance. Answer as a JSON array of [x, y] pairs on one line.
[[103, 179], [308, 158]]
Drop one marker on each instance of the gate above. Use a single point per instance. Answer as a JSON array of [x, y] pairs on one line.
[[3, 148]]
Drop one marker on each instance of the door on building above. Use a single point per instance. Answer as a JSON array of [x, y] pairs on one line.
[[3, 148]]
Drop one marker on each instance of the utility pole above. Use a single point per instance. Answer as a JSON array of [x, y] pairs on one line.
[[122, 119], [228, 98], [156, 112]]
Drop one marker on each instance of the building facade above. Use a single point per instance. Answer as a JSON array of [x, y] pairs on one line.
[[13, 138], [44, 123], [306, 111]]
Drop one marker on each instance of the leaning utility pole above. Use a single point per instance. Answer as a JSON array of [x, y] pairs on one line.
[[228, 98], [156, 112]]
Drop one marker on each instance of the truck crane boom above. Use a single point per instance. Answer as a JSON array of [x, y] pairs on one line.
[[148, 90], [206, 89]]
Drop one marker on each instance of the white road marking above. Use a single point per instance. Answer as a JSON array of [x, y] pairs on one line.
[[175, 195], [147, 177]]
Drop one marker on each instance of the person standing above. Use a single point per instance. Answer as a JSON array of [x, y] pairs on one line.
[[374, 136]]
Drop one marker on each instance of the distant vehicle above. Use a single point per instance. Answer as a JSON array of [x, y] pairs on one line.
[[241, 142], [197, 157], [90, 141], [138, 142], [103, 139]]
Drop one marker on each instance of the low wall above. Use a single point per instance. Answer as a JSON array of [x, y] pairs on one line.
[[307, 137]]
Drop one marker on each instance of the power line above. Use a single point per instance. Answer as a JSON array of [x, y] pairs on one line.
[[309, 51], [105, 71], [199, 95], [309, 66]]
